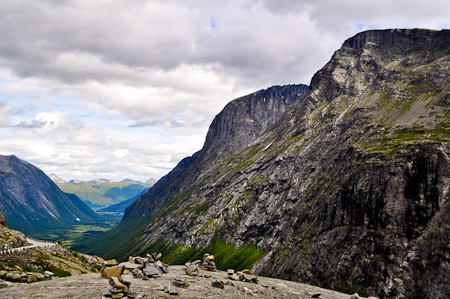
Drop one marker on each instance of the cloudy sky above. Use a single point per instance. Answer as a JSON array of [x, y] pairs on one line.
[[125, 89]]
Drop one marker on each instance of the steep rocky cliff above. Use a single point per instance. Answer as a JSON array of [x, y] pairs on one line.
[[348, 190], [32, 203], [240, 123]]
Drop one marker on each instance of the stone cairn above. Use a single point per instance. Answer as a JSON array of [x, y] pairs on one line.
[[120, 288], [148, 267], [208, 262]]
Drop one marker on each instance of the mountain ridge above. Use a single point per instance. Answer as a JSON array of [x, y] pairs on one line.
[[32, 203], [347, 190]]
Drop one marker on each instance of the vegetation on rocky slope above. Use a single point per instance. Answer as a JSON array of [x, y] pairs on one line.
[[348, 190]]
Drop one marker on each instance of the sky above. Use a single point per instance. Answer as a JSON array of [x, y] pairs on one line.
[[121, 89]]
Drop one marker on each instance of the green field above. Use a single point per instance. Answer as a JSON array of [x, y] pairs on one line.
[[67, 236], [102, 195]]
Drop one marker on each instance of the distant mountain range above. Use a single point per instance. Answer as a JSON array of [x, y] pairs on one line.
[[32, 203], [119, 208], [102, 193]]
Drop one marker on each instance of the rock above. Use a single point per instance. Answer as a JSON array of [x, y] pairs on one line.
[[191, 270], [218, 284], [48, 275], [158, 256], [114, 271], [250, 278], [316, 295], [4, 284], [165, 269], [131, 259], [208, 262], [32, 278], [230, 283], [159, 264], [110, 263], [247, 290], [150, 258], [115, 283], [40, 276], [247, 271], [196, 262], [137, 273], [117, 295], [173, 292], [140, 260], [230, 271], [233, 277], [355, 296], [180, 282], [152, 271]]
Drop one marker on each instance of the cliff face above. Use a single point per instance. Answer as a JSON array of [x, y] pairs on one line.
[[241, 122], [349, 189], [32, 203]]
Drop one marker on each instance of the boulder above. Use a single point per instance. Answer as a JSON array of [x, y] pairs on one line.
[[48, 275], [32, 278], [249, 278], [115, 271], [4, 284], [218, 284], [150, 258], [140, 260], [151, 270], [180, 282], [110, 263], [191, 270], [247, 271]]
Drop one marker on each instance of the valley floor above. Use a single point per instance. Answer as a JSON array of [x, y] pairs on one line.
[[94, 286]]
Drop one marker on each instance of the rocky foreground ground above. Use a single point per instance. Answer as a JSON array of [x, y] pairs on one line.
[[94, 286]]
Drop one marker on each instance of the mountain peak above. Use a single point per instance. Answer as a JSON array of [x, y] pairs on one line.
[[56, 179]]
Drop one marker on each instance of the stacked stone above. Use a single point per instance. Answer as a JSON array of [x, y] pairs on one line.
[[208, 262], [246, 276], [191, 269], [120, 289], [148, 267], [111, 268]]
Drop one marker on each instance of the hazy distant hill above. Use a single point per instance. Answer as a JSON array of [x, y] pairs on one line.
[[101, 193], [32, 203], [120, 207]]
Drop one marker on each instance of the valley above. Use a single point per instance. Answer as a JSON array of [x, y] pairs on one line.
[[342, 184]]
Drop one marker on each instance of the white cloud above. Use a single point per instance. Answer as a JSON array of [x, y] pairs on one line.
[[127, 88]]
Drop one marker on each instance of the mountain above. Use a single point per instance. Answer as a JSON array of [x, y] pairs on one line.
[[150, 182], [32, 203], [241, 122], [101, 193], [119, 208], [56, 179], [94, 181], [130, 180], [248, 117], [347, 190]]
